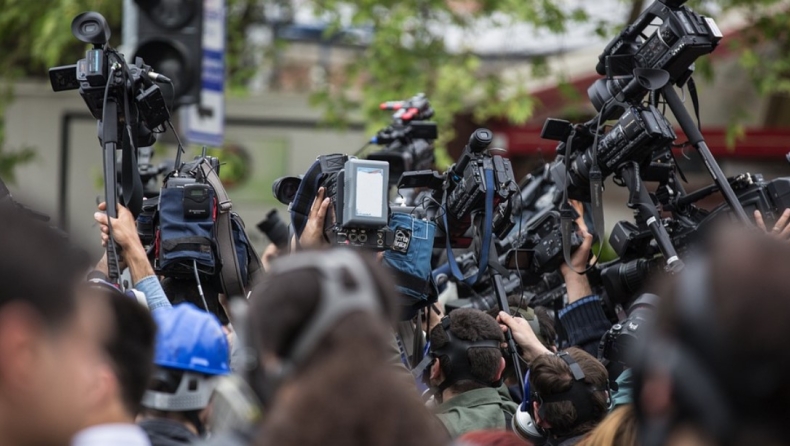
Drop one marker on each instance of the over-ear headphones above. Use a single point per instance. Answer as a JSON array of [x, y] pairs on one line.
[[523, 424], [456, 354], [338, 299], [579, 394]]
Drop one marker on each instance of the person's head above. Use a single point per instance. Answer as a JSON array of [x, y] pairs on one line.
[[322, 322], [569, 392], [716, 369], [467, 348], [129, 352], [539, 319], [50, 334], [180, 291], [191, 353], [618, 428]]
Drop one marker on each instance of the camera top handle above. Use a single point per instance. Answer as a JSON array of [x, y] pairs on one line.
[[659, 8]]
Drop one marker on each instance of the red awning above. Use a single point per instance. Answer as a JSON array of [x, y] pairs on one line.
[[757, 143]]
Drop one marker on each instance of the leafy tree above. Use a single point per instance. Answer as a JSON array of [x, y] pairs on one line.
[[407, 53]]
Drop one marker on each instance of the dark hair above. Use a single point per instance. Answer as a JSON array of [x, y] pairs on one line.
[[348, 391], [38, 266], [186, 290], [131, 347], [547, 335], [517, 305], [550, 375], [471, 325]]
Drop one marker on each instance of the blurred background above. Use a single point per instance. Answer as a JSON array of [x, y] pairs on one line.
[[269, 85]]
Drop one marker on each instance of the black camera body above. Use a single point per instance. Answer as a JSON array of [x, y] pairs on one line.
[[274, 228], [679, 41], [538, 250], [460, 192], [639, 132], [91, 77], [467, 188], [408, 141], [618, 348], [359, 211]]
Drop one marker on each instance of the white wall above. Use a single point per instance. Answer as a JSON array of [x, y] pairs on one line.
[[34, 119]]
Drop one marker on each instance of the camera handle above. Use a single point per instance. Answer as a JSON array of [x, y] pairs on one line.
[[640, 201], [698, 141], [109, 128], [498, 284]]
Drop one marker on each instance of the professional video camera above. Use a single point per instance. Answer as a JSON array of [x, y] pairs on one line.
[[638, 133], [359, 194], [128, 105], [480, 182], [408, 141], [104, 76], [621, 279], [634, 65]]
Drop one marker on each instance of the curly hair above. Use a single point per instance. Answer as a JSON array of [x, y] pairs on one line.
[[471, 325]]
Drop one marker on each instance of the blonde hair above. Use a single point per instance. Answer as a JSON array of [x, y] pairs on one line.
[[617, 429]]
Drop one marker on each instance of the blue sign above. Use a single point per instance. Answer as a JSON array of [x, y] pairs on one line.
[[205, 122]]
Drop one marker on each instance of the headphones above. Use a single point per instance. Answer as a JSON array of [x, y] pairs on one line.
[[456, 352], [579, 395], [337, 301]]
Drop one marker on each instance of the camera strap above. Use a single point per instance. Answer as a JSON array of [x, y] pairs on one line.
[[488, 228], [230, 272], [567, 214], [132, 185]]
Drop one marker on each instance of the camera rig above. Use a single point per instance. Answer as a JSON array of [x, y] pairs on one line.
[[128, 105], [408, 140]]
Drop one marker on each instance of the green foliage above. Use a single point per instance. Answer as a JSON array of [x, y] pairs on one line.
[[9, 158], [408, 55], [37, 35]]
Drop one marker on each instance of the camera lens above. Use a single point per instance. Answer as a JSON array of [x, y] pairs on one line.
[[284, 189]]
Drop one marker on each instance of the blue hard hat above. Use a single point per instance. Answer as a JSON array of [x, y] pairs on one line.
[[191, 339]]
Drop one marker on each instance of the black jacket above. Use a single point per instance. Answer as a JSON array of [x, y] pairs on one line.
[[167, 432]]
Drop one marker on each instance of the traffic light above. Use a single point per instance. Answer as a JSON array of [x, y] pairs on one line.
[[169, 34]]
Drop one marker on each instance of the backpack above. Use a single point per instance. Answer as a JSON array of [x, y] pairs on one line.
[[196, 232]]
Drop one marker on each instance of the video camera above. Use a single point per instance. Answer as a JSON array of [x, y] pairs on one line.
[[618, 347], [477, 180], [640, 131], [408, 141], [104, 75], [632, 64], [359, 210], [359, 194], [128, 105]]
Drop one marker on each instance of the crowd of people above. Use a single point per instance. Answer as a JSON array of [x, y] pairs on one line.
[[312, 357]]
